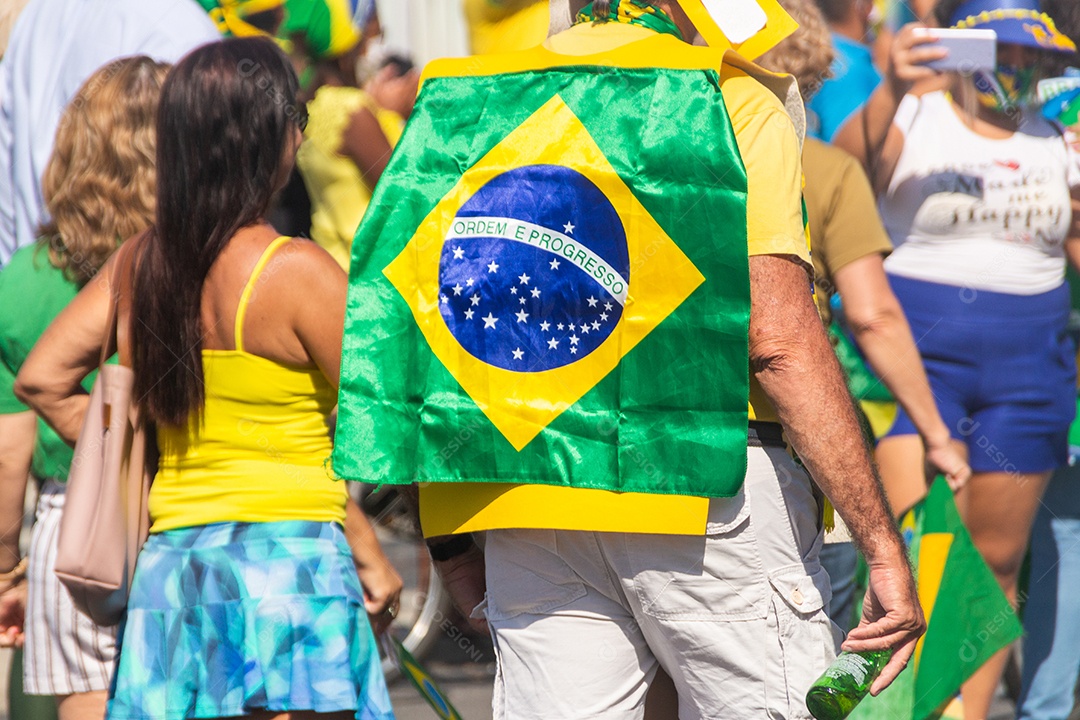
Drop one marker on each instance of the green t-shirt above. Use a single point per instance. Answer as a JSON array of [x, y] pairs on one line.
[[32, 294]]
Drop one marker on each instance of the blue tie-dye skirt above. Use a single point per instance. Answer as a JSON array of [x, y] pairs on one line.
[[237, 618]]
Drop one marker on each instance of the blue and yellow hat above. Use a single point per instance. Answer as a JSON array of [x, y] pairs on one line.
[[329, 27], [1017, 22], [230, 15]]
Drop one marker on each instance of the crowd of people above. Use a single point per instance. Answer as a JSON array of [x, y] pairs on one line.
[[229, 194]]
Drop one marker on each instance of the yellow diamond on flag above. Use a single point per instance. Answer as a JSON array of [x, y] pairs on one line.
[[538, 272]]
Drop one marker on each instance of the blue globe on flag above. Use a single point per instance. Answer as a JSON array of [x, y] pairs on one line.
[[535, 269]]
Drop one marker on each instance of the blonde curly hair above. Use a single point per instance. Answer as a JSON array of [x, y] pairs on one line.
[[808, 54], [99, 184]]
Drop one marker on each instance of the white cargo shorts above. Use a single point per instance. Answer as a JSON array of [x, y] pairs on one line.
[[738, 618]]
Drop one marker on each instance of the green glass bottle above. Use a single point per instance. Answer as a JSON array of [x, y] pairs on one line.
[[845, 684]]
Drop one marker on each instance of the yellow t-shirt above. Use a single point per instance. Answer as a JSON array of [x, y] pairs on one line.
[[770, 152], [498, 26], [339, 194]]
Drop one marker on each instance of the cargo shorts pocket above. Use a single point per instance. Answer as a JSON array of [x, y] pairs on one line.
[[526, 575], [800, 597], [710, 578]]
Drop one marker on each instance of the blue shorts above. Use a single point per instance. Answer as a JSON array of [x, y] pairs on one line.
[[1002, 369]]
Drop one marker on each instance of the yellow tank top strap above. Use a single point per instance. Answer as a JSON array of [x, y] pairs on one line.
[[245, 297]]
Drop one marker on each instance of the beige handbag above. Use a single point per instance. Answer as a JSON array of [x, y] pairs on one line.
[[105, 520]]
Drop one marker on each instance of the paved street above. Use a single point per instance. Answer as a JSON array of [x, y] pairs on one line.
[[464, 669], [466, 677]]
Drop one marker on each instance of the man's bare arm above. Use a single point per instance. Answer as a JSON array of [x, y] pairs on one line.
[[791, 357]]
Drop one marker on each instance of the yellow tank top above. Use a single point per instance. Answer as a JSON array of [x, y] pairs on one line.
[[339, 195], [257, 451]]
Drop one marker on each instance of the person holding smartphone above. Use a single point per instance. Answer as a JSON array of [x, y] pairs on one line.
[[975, 192]]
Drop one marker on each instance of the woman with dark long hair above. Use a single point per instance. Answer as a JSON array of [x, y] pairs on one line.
[[248, 599]]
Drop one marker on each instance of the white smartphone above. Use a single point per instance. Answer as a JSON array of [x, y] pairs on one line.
[[969, 49]]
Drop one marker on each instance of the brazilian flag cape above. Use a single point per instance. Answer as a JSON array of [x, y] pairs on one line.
[[968, 616], [551, 282]]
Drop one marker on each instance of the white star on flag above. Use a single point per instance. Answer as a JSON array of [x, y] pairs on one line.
[[554, 264], [607, 306], [518, 354], [568, 228], [559, 326], [469, 314], [489, 321], [603, 316], [584, 329], [458, 289], [458, 253], [544, 326], [513, 291], [469, 282], [521, 316], [574, 339], [573, 350], [572, 328], [553, 344], [591, 301], [595, 325], [493, 267], [475, 299], [536, 292], [444, 299], [524, 279], [521, 301]]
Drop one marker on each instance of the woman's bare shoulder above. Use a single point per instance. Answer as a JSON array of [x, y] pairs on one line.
[[300, 258]]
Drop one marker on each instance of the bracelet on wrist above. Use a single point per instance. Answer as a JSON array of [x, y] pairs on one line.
[[14, 576], [450, 549]]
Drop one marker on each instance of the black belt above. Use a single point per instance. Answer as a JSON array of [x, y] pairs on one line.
[[765, 434]]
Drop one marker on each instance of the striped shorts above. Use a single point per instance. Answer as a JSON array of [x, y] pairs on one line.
[[65, 652]]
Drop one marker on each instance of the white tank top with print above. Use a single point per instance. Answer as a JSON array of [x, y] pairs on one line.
[[976, 212]]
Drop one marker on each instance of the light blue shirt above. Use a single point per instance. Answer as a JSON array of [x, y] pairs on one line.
[[55, 46], [854, 79]]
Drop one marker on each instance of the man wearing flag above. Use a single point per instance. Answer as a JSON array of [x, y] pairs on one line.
[[572, 259]]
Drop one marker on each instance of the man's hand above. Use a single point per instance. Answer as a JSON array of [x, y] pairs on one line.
[[463, 577], [892, 619], [12, 616]]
